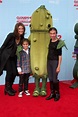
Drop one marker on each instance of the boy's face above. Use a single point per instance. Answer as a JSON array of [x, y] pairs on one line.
[[25, 45]]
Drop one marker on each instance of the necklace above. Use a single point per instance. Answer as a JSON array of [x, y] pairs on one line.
[[17, 41]]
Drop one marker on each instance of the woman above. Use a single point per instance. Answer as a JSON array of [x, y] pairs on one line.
[[53, 64], [8, 59]]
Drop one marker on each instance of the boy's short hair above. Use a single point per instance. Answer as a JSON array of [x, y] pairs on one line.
[[26, 40], [53, 28]]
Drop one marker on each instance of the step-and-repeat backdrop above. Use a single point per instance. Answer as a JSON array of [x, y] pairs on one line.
[[65, 16]]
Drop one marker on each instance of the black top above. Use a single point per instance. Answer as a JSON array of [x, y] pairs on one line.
[[9, 45], [8, 49], [54, 53]]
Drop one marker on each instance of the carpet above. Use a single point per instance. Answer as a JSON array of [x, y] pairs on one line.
[[29, 106]]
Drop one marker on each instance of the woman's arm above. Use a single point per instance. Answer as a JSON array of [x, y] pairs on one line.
[[8, 38]]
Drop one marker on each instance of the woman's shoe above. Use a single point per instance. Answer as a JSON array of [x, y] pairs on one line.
[[14, 91], [7, 89], [10, 93]]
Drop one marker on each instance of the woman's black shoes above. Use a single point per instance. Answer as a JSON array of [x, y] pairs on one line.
[[9, 92], [12, 90], [8, 89]]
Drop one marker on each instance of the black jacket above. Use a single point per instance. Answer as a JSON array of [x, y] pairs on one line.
[[7, 49]]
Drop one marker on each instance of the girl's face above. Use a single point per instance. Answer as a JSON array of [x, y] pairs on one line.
[[53, 34], [25, 45], [20, 30]]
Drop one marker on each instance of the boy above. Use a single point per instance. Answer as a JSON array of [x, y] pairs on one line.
[[23, 67]]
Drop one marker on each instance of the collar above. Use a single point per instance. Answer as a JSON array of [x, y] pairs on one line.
[[26, 51]]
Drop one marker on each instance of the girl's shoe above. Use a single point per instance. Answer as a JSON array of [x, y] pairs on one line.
[[57, 97], [52, 95]]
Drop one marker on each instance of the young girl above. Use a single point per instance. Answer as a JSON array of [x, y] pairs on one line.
[[23, 67], [53, 64]]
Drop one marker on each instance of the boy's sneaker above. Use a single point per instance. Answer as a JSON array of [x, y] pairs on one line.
[[20, 94], [27, 92]]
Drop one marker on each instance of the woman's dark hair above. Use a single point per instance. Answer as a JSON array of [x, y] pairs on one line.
[[53, 28], [16, 29]]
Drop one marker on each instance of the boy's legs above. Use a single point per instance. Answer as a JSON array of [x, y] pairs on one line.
[[26, 79], [21, 80]]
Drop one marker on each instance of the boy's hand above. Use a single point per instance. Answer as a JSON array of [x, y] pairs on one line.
[[20, 72]]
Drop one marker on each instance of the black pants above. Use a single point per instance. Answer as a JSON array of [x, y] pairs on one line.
[[23, 80], [11, 69], [51, 68]]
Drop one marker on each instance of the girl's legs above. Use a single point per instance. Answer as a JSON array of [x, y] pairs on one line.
[[52, 94], [57, 97], [50, 75], [54, 82]]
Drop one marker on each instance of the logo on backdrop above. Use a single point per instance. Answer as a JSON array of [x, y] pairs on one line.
[[24, 19], [76, 4], [54, 1], [0, 1]]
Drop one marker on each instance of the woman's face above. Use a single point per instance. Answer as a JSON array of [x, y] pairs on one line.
[[53, 34], [20, 30]]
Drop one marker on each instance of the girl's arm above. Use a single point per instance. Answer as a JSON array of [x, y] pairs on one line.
[[59, 64]]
